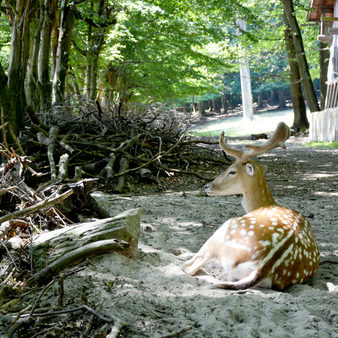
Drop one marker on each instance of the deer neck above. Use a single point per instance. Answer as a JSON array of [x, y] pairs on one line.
[[257, 195]]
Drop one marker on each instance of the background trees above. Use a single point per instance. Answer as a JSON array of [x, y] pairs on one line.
[[126, 51]]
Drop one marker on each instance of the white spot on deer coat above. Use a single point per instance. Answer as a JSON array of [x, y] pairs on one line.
[[243, 232], [265, 243]]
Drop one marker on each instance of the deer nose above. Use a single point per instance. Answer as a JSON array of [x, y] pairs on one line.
[[207, 188]]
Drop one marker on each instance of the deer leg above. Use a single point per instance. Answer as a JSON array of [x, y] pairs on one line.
[[195, 263]]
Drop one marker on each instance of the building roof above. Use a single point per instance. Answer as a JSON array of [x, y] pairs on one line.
[[319, 8]]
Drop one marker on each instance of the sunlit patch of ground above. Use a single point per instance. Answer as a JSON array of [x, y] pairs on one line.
[[238, 126]]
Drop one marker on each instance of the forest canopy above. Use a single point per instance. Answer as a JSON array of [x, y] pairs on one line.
[[127, 51]]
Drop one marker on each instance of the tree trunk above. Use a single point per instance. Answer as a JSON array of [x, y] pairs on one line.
[[217, 104], [18, 65], [281, 98], [211, 105], [47, 13], [224, 103], [62, 55], [274, 97], [96, 36], [245, 81], [324, 55], [291, 22], [300, 119], [31, 90], [201, 108], [4, 103], [260, 103]]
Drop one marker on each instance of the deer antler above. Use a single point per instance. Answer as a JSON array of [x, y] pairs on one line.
[[278, 139], [229, 151]]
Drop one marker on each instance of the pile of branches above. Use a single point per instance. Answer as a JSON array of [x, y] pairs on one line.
[[62, 156], [66, 154], [76, 141]]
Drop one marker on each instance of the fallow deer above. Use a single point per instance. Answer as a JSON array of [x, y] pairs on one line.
[[271, 246]]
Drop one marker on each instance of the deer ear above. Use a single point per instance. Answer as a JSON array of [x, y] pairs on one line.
[[249, 169]]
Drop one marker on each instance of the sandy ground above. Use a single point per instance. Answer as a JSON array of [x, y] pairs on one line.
[[156, 299]]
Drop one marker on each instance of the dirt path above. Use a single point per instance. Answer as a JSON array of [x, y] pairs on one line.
[[155, 298]]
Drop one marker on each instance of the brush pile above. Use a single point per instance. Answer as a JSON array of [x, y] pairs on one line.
[[63, 155], [75, 141]]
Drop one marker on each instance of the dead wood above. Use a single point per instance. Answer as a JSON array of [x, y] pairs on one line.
[[52, 200], [124, 165], [72, 257], [51, 246], [63, 167], [101, 147]]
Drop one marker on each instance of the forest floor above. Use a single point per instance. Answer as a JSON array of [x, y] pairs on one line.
[[154, 298]]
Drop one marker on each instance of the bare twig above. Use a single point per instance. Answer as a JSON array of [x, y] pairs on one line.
[[38, 206]]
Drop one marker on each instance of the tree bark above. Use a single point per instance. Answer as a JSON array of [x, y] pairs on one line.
[[274, 97], [217, 104], [224, 103], [324, 55], [201, 108], [50, 246], [300, 119], [281, 98], [48, 17], [18, 64], [62, 54], [96, 36], [31, 92], [260, 103], [291, 21]]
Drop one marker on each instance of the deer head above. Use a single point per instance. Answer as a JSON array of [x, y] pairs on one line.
[[246, 176]]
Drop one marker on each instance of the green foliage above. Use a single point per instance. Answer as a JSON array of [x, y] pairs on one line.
[[172, 50], [318, 144], [167, 50], [5, 42]]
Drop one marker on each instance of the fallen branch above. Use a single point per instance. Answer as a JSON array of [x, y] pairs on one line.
[[99, 247], [153, 159], [36, 207], [53, 134], [50, 246]]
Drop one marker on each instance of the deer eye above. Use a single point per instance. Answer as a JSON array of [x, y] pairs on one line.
[[232, 173]]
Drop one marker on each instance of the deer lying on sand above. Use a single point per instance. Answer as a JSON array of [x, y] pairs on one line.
[[271, 246]]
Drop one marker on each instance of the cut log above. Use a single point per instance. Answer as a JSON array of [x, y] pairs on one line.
[[50, 246], [99, 247]]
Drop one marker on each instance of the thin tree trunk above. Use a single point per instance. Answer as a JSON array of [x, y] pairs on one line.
[[260, 103], [48, 15], [224, 103], [300, 119], [31, 80], [62, 55], [290, 17], [324, 55], [201, 108], [281, 99], [274, 97], [217, 103], [245, 81]]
